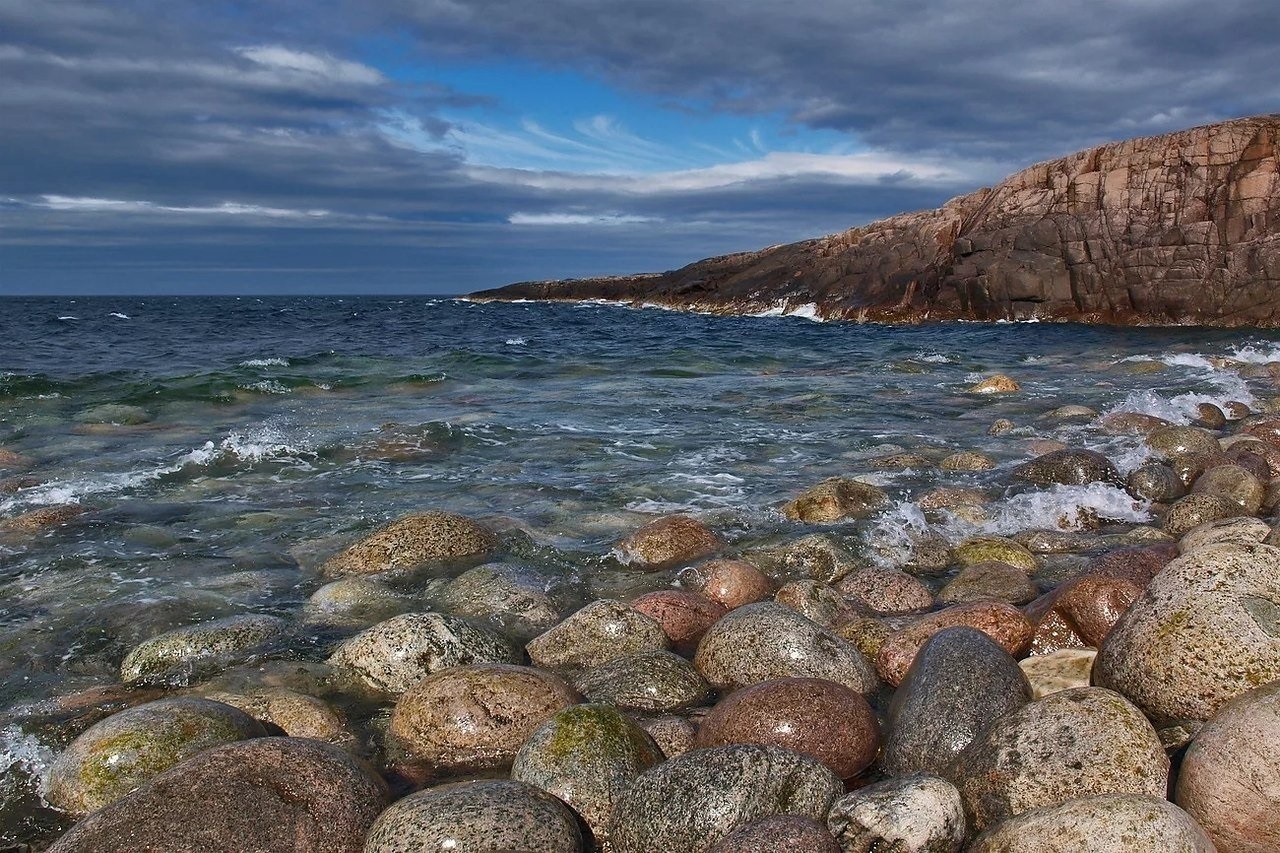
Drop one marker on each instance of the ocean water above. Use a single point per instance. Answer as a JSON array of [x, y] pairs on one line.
[[222, 448]]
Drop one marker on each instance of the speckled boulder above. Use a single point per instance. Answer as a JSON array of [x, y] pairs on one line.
[[995, 384], [474, 718], [1189, 468], [1204, 631], [867, 634], [587, 756], [1064, 669], [517, 600], [1132, 423], [731, 583], [1111, 823], [1002, 622], [949, 497], [1072, 467], [357, 600], [296, 714], [1264, 429], [41, 519], [1081, 612], [596, 634], [488, 816], [1001, 426], [983, 549], [1156, 482], [176, 658], [761, 642], [664, 543], [1195, 510], [817, 556], [885, 591], [692, 802], [912, 814], [991, 581], [654, 682], [960, 683], [673, 734], [393, 656], [779, 834], [814, 717], [1245, 532], [120, 753], [411, 541], [1182, 441], [836, 499], [1234, 484], [1074, 743], [266, 794], [1230, 776], [684, 616], [814, 600], [967, 460]]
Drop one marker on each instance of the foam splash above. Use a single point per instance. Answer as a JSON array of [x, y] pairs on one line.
[[119, 316], [516, 342], [22, 752], [1064, 508], [1255, 353], [265, 362], [268, 386], [263, 444], [783, 308], [933, 358]]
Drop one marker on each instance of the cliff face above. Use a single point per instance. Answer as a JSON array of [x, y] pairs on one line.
[[1181, 228]]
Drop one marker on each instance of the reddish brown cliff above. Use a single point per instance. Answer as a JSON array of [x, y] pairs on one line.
[[1181, 228]]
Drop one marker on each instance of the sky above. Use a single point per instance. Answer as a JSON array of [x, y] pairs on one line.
[[443, 146]]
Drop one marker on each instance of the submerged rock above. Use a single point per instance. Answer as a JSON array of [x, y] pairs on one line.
[[177, 657], [836, 499], [518, 599], [411, 541], [996, 384], [731, 583], [668, 542]]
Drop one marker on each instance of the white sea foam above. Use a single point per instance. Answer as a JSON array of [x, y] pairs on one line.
[[516, 342], [265, 443], [782, 308], [265, 362], [68, 317], [1255, 353], [933, 357], [119, 316], [267, 386], [20, 751]]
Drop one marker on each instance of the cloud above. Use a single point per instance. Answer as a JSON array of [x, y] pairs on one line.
[[558, 219]]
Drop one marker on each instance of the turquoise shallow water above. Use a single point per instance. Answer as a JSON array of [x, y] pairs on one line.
[[220, 448]]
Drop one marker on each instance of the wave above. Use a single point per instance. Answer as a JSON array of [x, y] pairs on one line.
[[265, 362]]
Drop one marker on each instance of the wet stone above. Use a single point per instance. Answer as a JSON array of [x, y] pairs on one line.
[[814, 600], [731, 583], [995, 384], [1072, 467], [885, 591], [1182, 441], [761, 642], [1195, 510], [414, 540], [990, 581], [1111, 823], [1001, 622], [394, 655], [674, 735], [1001, 426], [176, 658], [296, 714], [517, 600], [668, 542], [1234, 484], [596, 634], [356, 600], [1245, 532], [1132, 423], [814, 717], [818, 557], [967, 461], [654, 682], [984, 549], [684, 616], [1156, 482], [912, 814], [692, 802], [779, 834], [836, 499], [489, 816]]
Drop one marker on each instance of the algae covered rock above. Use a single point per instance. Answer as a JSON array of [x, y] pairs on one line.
[[986, 549], [296, 714], [265, 794], [120, 753], [836, 499], [411, 541], [178, 657], [394, 655], [587, 756]]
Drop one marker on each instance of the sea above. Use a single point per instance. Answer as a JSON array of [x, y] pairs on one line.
[[218, 449]]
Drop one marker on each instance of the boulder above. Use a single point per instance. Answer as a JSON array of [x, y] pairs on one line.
[[967, 460], [1176, 441], [1233, 483], [295, 714], [885, 591], [911, 814], [1002, 622], [1243, 531], [995, 384], [990, 581], [411, 541], [985, 549], [1155, 482], [836, 499], [1072, 467], [814, 600], [1195, 510], [668, 542], [684, 616], [731, 583], [517, 600], [1110, 823], [178, 657], [596, 634], [653, 682], [779, 834]]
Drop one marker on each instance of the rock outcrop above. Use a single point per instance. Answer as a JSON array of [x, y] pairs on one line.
[[1176, 229]]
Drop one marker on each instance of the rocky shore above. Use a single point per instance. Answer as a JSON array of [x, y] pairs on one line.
[[1102, 684], [1176, 229]]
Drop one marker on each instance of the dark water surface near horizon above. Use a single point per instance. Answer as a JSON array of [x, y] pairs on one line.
[[222, 447]]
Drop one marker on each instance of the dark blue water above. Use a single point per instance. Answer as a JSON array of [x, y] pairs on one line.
[[221, 448]]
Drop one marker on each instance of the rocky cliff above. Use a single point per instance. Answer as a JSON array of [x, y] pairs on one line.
[[1181, 228]]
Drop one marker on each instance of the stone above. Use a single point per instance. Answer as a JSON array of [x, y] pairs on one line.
[[1155, 482], [295, 714], [668, 542], [731, 583], [761, 642], [1264, 429], [960, 683], [587, 756], [1176, 441], [654, 682], [1001, 622], [474, 718], [42, 519], [684, 616], [1084, 608], [114, 413], [866, 633], [264, 794], [1072, 467], [1245, 532], [985, 549], [176, 658], [1131, 423], [673, 734], [836, 499], [119, 754], [1204, 631], [947, 497], [911, 814], [967, 461], [394, 655], [990, 581], [1230, 777], [360, 600], [1195, 510], [818, 557], [1001, 426], [995, 384], [900, 462], [1233, 483], [517, 600], [693, 801], [811, 716], [1073, 412], [779, 834], [814, 600], [1209, 416], [1069, 744], [1043, 541], [486, 816], [411, 541], [1064, 669], [1110, 823], [596, 634], [886, 591]]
